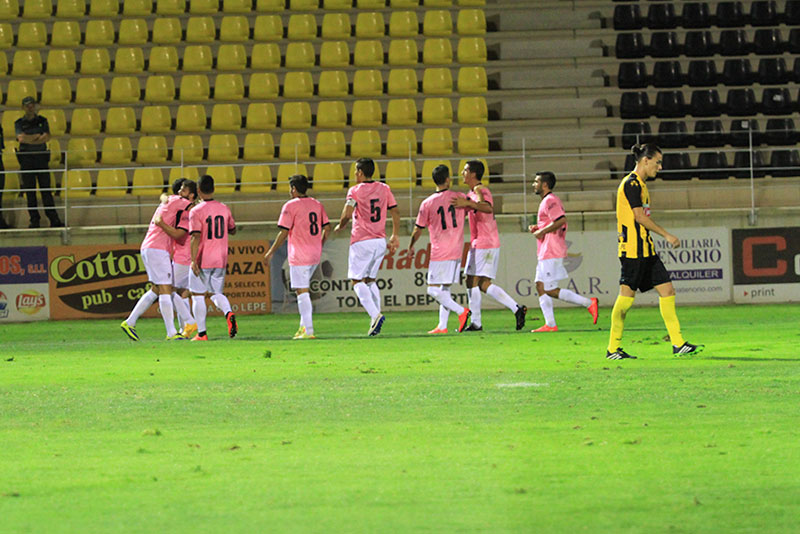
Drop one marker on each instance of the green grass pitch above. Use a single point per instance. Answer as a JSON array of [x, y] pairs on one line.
[[479, 432]]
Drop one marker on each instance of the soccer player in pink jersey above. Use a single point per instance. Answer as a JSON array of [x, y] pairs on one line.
[[484, 248], [551, 232], [210, 224], [368, 202], [445, 223], [304, 221], [155, 250]]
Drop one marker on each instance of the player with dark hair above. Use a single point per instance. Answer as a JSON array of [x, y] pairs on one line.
[[641, 267]]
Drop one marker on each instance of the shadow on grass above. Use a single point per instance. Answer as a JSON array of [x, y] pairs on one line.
[[746, 359]]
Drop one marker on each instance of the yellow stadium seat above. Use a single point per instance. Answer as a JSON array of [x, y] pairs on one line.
[[224, 178], [437, 51], [404, 4], [330, 145], [334, 54], [56, 119], [147, 181], [194, 88], [302, 27], [7, 35], [234, 29], [471, 22], [116, 151], [197, 58], [371, 4], [400, 174], [17, 90], [261, 116], [132, 32], [402, 82], [90, 90], [256, 179], [66, 33], [228, 87], [437, 23], [259, 147], [403, 52], [223, 148], [368, 53], [226, 117], [31, 35], [286, 171], [328, 177], [159, 88], [263, 86], [300, 55], [370, 25], [125, 90], [131, 8], [164, 59], [437, 111], [336, 26], [427, 171], [472, 80], [437, 142], [155, 119], [201, 30], [472, 110], [437, 81], [231, 57], [333, 84], [151, 149], [56, 155], [9, 9], [265, 56], [70, 9], [60, 62], [95, 61], [9, 117], [401, 112], [294, 145], [99, 33], [365, 144], [366, 114], [129, 60], [303, 5], [401, 143], [337, 5], [167, 31], [111, 183], [473, 141], [3, 62], [331, 114], [368, 83], [187, 149], [104, 8], [85, 121], [438, 3], [77, 184], [268, 28], [298, 85], [171, 7], [237, 6], [203, 7], [81, 151], [296, 115], [472, 2], [190, 118], [403, 24], [120, 120], [471, 50], [37, 9], [11, 164], [27, 63], [267, 6], [190, 173]]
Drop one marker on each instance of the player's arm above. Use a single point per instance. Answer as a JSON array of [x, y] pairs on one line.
[[481, 205], [283, 233], [414, 237], [174, 233], [326, 228], [539, 233], [642, 218], [195, 249], [394, 241], [347, 214]]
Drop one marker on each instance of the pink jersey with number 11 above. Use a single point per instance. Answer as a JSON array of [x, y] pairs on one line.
[[445, 223]]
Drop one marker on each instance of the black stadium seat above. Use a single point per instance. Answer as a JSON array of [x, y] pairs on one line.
[[730, 15], [708, 133], [702, 73], [784, 163], [772, 71], [629, 46], [733, 43], [634, 105], [767, 41], [676, 166], [741, 102], [698, 43], [673, 134], [791, 13], [742, 130], [664, 44], [670, 104], [764, 13], [627, 17], [632, 75], [696, 15], [635, 132], [712, 166], [667, 74], [741, 164], [705, 103], [661, 15], [776, 101], [780, 131], [737, 72]]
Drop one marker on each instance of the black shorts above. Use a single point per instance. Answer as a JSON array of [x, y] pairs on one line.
[[643, 273]]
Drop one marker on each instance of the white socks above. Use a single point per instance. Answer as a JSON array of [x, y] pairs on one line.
[[376, 295], [221, 302], [546, 304], [167, 313], [574, 298], [366, 298], [497, 293], [306, 311], [145, 301], [182, 307], [199, 310], [443, 297], [475, 297]]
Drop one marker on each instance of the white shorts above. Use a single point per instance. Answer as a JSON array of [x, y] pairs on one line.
[[443, 272], [180, 273], [365, 258], [550, 272], [158, 265], [300, 276], [482, 262], [210, 281]]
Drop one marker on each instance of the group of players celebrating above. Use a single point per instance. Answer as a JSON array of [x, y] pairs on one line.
[[185, 251]]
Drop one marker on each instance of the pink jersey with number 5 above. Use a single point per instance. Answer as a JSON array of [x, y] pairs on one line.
[[304, 218], [212, 221], [373, 200], [445, 223]]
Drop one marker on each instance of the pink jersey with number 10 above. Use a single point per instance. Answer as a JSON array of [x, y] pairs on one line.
[[445, 223], [213, 222]]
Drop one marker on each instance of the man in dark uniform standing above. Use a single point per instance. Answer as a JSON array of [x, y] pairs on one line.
[[33, 133]]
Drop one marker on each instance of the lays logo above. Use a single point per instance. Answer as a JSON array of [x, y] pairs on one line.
[[30, 302]]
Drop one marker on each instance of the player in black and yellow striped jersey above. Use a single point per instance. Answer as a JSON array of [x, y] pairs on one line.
[[641, 267]]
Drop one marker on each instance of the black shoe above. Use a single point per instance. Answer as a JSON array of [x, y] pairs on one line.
[[686, 349], [520, 316], [473, 328], [35, 224], [3, 225], [56, 224], [619, 354]]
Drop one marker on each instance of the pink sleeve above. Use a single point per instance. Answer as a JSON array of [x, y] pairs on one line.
[[555, 209], [195, 221], [422, 216], [351, 194], [285, 219], [487, 196], [324, 215], [231, 222], [390, 201]]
